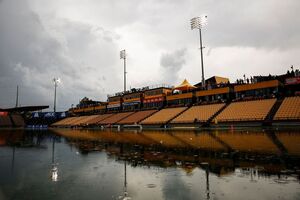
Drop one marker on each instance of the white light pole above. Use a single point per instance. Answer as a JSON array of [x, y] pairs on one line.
[[199, 23], [55, 81], [123, 56]]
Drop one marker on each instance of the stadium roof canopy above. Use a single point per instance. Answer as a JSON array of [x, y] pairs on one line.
[[185, 85], [24, 109]]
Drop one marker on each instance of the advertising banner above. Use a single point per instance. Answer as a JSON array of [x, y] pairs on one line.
[[292, 81]]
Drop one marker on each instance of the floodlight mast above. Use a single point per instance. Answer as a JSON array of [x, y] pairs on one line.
[[123, 56], [199, 23], [55, 81]]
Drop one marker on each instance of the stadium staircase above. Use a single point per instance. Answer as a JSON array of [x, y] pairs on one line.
[[269, 118], [150, 115], [125, 117], [207, 123], [178, 115]]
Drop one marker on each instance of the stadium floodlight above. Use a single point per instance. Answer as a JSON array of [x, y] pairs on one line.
[[199, 23], [56, 81], [123, 56]]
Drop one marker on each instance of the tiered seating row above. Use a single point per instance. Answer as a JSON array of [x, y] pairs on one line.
[[163, 116], [137, 117], [289, 109], [246, 111], [115, 118], [198, 113]]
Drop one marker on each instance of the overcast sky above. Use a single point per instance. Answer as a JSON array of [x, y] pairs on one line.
[[79, 42]]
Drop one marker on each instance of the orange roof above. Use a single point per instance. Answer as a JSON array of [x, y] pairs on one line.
[[185, 85]]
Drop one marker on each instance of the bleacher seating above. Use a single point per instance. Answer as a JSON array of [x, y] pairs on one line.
[[18, 120], [84, 120], [137, 117], [200, 113], [98, 119], [5, 121], [163, 116], [246, 111], [58, 123], [65, 122], [115, 118], [75, 121], [289, 109]]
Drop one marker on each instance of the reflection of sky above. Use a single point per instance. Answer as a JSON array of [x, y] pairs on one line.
[[97, 176]]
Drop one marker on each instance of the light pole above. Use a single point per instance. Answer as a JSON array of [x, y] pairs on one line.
[[55, 81], [123, 56], [199, 23], [17, 98]]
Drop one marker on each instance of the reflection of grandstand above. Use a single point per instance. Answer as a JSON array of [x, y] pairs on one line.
[[223, 151]]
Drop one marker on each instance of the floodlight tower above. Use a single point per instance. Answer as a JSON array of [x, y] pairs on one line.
[[123, 56], [55, 81], [199, 23]]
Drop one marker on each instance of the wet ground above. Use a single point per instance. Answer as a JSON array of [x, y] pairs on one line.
[[94, 164]]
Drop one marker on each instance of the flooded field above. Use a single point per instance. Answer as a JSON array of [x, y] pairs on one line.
[[95, 164]]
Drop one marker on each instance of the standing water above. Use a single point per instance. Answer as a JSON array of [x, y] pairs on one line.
[[95, 164]]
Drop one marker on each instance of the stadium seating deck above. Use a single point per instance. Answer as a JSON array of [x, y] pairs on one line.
[[137, 117], [84, 120], [200, 113], [115, 118], [97, 119], [256, 110], [66, 121], [163, 116], [289, 109], [75, 121]]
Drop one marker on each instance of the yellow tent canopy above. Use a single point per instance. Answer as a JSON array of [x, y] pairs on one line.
[[185, 85]]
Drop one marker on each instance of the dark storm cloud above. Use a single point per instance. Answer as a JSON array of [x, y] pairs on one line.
[[31, 55], [171, 64], [79, 42], [262, 24]]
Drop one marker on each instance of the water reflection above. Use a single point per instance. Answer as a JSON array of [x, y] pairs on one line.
[[214, 157], [223, 151], [54, 168]]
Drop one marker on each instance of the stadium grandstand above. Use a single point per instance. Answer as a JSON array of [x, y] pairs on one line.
[[254, 99]]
